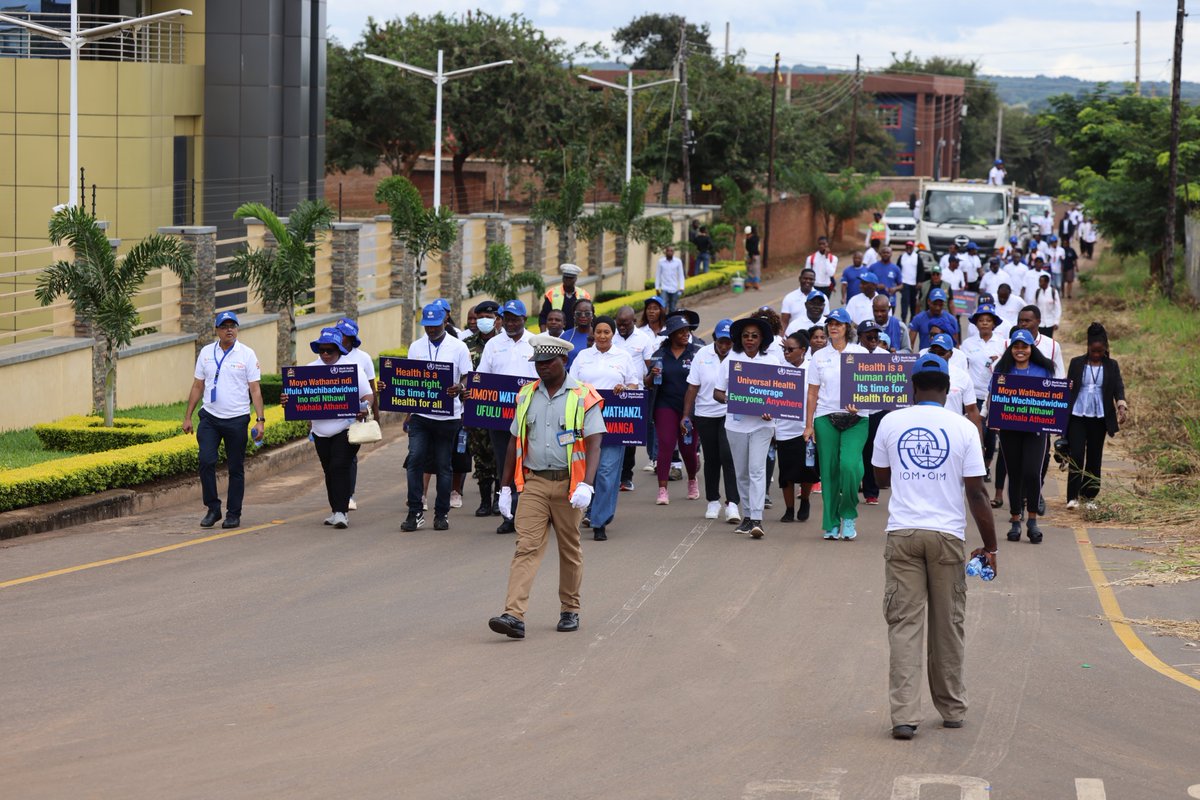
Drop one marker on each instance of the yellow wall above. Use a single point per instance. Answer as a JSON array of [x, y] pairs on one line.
[[156, 377], [67, 378], [261, 339], [380, 330]]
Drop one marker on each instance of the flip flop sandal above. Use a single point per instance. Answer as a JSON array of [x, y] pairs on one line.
[[997, 503]]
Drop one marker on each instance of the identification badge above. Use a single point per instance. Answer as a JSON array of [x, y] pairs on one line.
[[566, 437], [212, 395]]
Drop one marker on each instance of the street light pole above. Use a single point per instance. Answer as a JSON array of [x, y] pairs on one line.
[[440, 79], [74, 41], [628, 90]]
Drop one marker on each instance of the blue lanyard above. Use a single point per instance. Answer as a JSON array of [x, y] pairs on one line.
[[433, 351], [212, 396], [933, 403]]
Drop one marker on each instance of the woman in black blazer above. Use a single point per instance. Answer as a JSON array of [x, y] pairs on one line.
[[1097, 408]]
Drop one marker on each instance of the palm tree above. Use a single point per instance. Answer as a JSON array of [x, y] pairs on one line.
[[283, 275], [101, 287], [563, 210], [499, 282]]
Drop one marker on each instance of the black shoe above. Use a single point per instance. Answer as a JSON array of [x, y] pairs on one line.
[[788, 516], [905, 732], [495, 507], [987, 476], [414, 520], [507, 527], [441, 524], [1014, 533], [509, 625], [805, 509], [745, 527], [568, 621], [756, 529], [952, 723], [767, 501], [599, 535], [210, 519], [232, 521], [1041, 505], [1033, 532], [485, 507]]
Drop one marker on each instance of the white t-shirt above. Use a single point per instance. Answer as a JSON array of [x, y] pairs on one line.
[[450, 350], [635, 345], [803, 323], [332, 427], [503, 356], [239, 368], [1087, 232], [793, 304], [825, 371], [1008, 311], [957, 358], [743, 423], [1057, 254], [606, 370], [962, 391], [909, 263], [981, 357], [669, 277], [929, 450], [1049, 302], [990, 282], [1017, 271], [971, 267], [869, 257], [707, 367], [825, 267], [363, 359], [859, 308], [956, 279], [996, 176], [1032, 282]]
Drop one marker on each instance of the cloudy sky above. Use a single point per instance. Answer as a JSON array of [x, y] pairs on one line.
[[1088, 40]]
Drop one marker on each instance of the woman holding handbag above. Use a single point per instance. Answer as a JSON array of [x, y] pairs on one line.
[[330, 436], [1098, 408]]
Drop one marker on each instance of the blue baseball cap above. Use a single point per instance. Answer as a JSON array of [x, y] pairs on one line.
[[443, 304], [433, 314], [814, 294], [943, 341], [722, 329], [348, 327], [998, 161], [931, 363], [514, 307], [1013, 240], [839, 315], [226, 316], [1021, 335], [937, 294], [329, 336], [885, 339], [657, 299], [1052, 238], [972, 246], [868, 277]]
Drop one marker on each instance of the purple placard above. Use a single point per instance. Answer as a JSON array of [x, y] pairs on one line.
[[415, 387], [491, 400], [624, 416], [965, 302], [324, 391], [757, 389], [877, 381], [1023, 403]]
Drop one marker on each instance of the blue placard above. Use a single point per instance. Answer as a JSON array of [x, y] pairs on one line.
[[757, 389], [1024, 403], [415, 387], [324, 391], [877, 381], [491, 400], [624, 417]]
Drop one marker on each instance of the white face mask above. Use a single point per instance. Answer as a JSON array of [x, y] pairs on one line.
[[485, 324]]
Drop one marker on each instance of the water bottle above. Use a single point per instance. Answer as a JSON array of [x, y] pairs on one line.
[[771, 452], [462, 440], [810, 454], [687, 437], [658, 376], [258, 442], [978, 567]]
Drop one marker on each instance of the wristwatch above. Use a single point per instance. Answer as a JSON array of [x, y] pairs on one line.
[[261, 419]]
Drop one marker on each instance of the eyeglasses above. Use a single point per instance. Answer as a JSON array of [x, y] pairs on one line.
[[328, 351], [870, 336], [792, 349], [751, 335]]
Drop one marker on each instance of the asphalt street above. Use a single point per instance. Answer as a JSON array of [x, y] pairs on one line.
[[292, 660]]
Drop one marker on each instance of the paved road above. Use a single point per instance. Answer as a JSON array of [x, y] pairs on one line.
[[295, 661]]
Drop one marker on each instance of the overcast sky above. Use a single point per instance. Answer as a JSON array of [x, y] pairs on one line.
[[1088, 40]]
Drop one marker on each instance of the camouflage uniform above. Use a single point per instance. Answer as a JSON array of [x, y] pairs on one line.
[[479, 444]]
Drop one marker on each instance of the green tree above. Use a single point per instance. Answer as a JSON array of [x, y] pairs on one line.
[[101, 287], [653, 40], [736, 202], [626, 218], [1031, 158], [563, 210], [283, 274], [499, 282], [837, 197]]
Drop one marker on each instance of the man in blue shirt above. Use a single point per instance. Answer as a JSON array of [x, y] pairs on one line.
[[935, 315], [888, 274], [851, 276]]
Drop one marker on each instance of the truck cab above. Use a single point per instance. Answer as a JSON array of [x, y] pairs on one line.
[[960, 212]]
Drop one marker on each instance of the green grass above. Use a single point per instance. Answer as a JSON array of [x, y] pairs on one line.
[[22, 448]]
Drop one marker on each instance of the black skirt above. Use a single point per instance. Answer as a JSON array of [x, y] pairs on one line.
[[789, 460]]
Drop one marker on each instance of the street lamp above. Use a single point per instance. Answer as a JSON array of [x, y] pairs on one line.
[[439, 78], [74, 41], [628, 90]]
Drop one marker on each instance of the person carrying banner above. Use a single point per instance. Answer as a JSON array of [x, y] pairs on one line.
[[708, 416], [479, 443]]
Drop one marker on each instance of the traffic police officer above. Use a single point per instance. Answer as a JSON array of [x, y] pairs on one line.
[[564, 296]]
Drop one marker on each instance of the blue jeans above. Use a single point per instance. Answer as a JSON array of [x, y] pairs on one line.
[[608, 484], [908, 304], [430, 444], [672, 299], [210, 432], [703, 260]]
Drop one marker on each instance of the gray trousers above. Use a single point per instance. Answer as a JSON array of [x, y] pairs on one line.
[[749, 453]]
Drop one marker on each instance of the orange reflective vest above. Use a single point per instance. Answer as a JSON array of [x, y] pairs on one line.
[[557, 296], [878, 231], [579, 400]]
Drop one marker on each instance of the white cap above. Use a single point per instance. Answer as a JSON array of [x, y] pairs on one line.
[[748, 230], [569, 269]]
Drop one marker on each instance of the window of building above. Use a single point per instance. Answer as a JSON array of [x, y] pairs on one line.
[[888, 116], [905, 158]]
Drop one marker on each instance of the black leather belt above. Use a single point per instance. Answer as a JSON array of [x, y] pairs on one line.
[[552, 474]]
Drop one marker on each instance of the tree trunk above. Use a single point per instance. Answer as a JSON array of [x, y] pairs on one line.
[[110, 388], [460, 183], [1156, 267], [285, 348]]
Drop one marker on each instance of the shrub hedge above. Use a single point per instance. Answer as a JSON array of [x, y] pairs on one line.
[[720, 274], [86, 434], [271, 385]]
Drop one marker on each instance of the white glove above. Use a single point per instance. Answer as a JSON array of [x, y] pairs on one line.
[[582, 496], [505, 502]]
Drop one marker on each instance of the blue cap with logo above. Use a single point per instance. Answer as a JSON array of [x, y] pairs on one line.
[[986, 310], [1021, 335], [814, 294], [514, 307], [839, 315], [972, 246], [868, 277], [329, 336], [722, 329], [1013, 240], [443, 304], [657, 299], [1052, 239], [931, 363], [226, 316], [937, 294], [349, 327], [943, 341], [433, 314]]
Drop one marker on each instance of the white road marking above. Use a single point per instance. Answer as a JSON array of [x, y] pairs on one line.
[[908, 787], [821, 789], [1089, 789]]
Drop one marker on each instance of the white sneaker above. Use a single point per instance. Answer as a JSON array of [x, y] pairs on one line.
[[353, 505], [650, 467], [714, 510], [1072, 505], [455, 500], [732, 515], [332, 518], [1090, 505], [425, 503], [340, 521]]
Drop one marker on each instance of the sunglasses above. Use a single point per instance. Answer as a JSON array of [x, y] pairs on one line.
[[328, 351], [792, 349]]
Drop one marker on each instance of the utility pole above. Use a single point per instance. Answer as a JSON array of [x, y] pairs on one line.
[[687, 113], [726, 42], [766, 239], [1168, 262], [1137, 55], [854, 113], [999, 126]]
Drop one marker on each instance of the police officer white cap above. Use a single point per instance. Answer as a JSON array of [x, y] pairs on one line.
[[547, 346], [570, 269]]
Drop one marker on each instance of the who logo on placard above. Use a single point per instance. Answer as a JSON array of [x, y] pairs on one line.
[[923, 449]]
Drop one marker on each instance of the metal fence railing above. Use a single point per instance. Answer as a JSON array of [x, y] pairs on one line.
[[159, 41]]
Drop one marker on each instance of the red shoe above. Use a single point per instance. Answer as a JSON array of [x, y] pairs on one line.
[[872, 501], [816, 488]]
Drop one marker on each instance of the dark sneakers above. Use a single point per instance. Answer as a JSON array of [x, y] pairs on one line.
[[599, 534], [441, 524], [756, 529], [509, 625], [788, 516], [904, 732], [952, 723], [568, 621], [414, 520], [210, 519], [507, 527], [745, 527], [805, 509], [232, 521]]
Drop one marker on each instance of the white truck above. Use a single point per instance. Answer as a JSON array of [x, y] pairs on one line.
[[960, 212]]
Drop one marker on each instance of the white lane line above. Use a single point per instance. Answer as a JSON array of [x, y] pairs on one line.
[[1089, 789]]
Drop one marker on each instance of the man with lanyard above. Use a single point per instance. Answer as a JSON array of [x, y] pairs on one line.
[[896, 331], [927, 455], [851, 277], [552, 458], [348, 329], [432, 437], [794, 301], [479, 444], [815, 308], [888, 274], [910, 269], [226, 379], [564, 296], [972, 266], [508, 355], [824, 266], [1055, 259]]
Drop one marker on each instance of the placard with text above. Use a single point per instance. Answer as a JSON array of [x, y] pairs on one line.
[[877, 381], [624, 416], [416, 387], [757, 389], [964, 302], [491, 400], [324, 391], [1023, 403]]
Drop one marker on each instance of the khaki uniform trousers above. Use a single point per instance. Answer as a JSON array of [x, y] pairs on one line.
[[925, 571], [545, 503]]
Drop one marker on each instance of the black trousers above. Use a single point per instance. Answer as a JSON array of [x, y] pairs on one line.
[[1086, 436], [869, 487], [1023, 454], [718, 463], [628, 463], [210, 432], [500, 441], [337, 460]]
